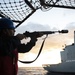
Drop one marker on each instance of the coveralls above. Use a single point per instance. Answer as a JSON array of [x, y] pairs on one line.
[[9, 49]]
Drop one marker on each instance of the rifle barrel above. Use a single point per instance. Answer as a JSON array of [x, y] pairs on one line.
[[51, 32], [31, 34]]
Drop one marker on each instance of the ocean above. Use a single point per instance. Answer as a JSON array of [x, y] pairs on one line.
[[38, 71], [31, 71]]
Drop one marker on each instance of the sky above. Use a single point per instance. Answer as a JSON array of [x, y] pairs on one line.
[[52, 20]]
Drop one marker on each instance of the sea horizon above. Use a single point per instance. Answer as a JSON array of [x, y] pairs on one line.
[[31, 71]]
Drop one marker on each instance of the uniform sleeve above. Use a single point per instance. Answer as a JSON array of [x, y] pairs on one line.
[[15, 41], [8, 44], [23, 48]]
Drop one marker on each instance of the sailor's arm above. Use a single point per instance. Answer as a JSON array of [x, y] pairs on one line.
[[22, 48]]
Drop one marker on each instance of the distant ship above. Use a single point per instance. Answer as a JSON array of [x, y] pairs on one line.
[[67, 64]]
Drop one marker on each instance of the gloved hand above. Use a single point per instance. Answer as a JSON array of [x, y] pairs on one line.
[[35, 36]]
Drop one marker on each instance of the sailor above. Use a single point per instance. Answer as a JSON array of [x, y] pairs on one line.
[[10, 46]]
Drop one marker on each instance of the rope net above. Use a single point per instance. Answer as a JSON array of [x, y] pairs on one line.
[[19, 10], [16, 10], [48, 4]]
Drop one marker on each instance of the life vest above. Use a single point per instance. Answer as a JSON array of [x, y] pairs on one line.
[[8, 64]]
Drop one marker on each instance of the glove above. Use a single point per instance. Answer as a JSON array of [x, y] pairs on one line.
[[33, 39]]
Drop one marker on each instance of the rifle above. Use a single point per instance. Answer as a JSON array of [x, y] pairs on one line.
[[32, 34], [37, 33]]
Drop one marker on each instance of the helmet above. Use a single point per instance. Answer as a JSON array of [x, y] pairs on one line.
[[6, 23]]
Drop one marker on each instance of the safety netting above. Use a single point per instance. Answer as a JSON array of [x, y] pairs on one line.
[[19, 10], [69, 4]]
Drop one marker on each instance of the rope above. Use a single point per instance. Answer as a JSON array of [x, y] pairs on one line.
[[27, 62]]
